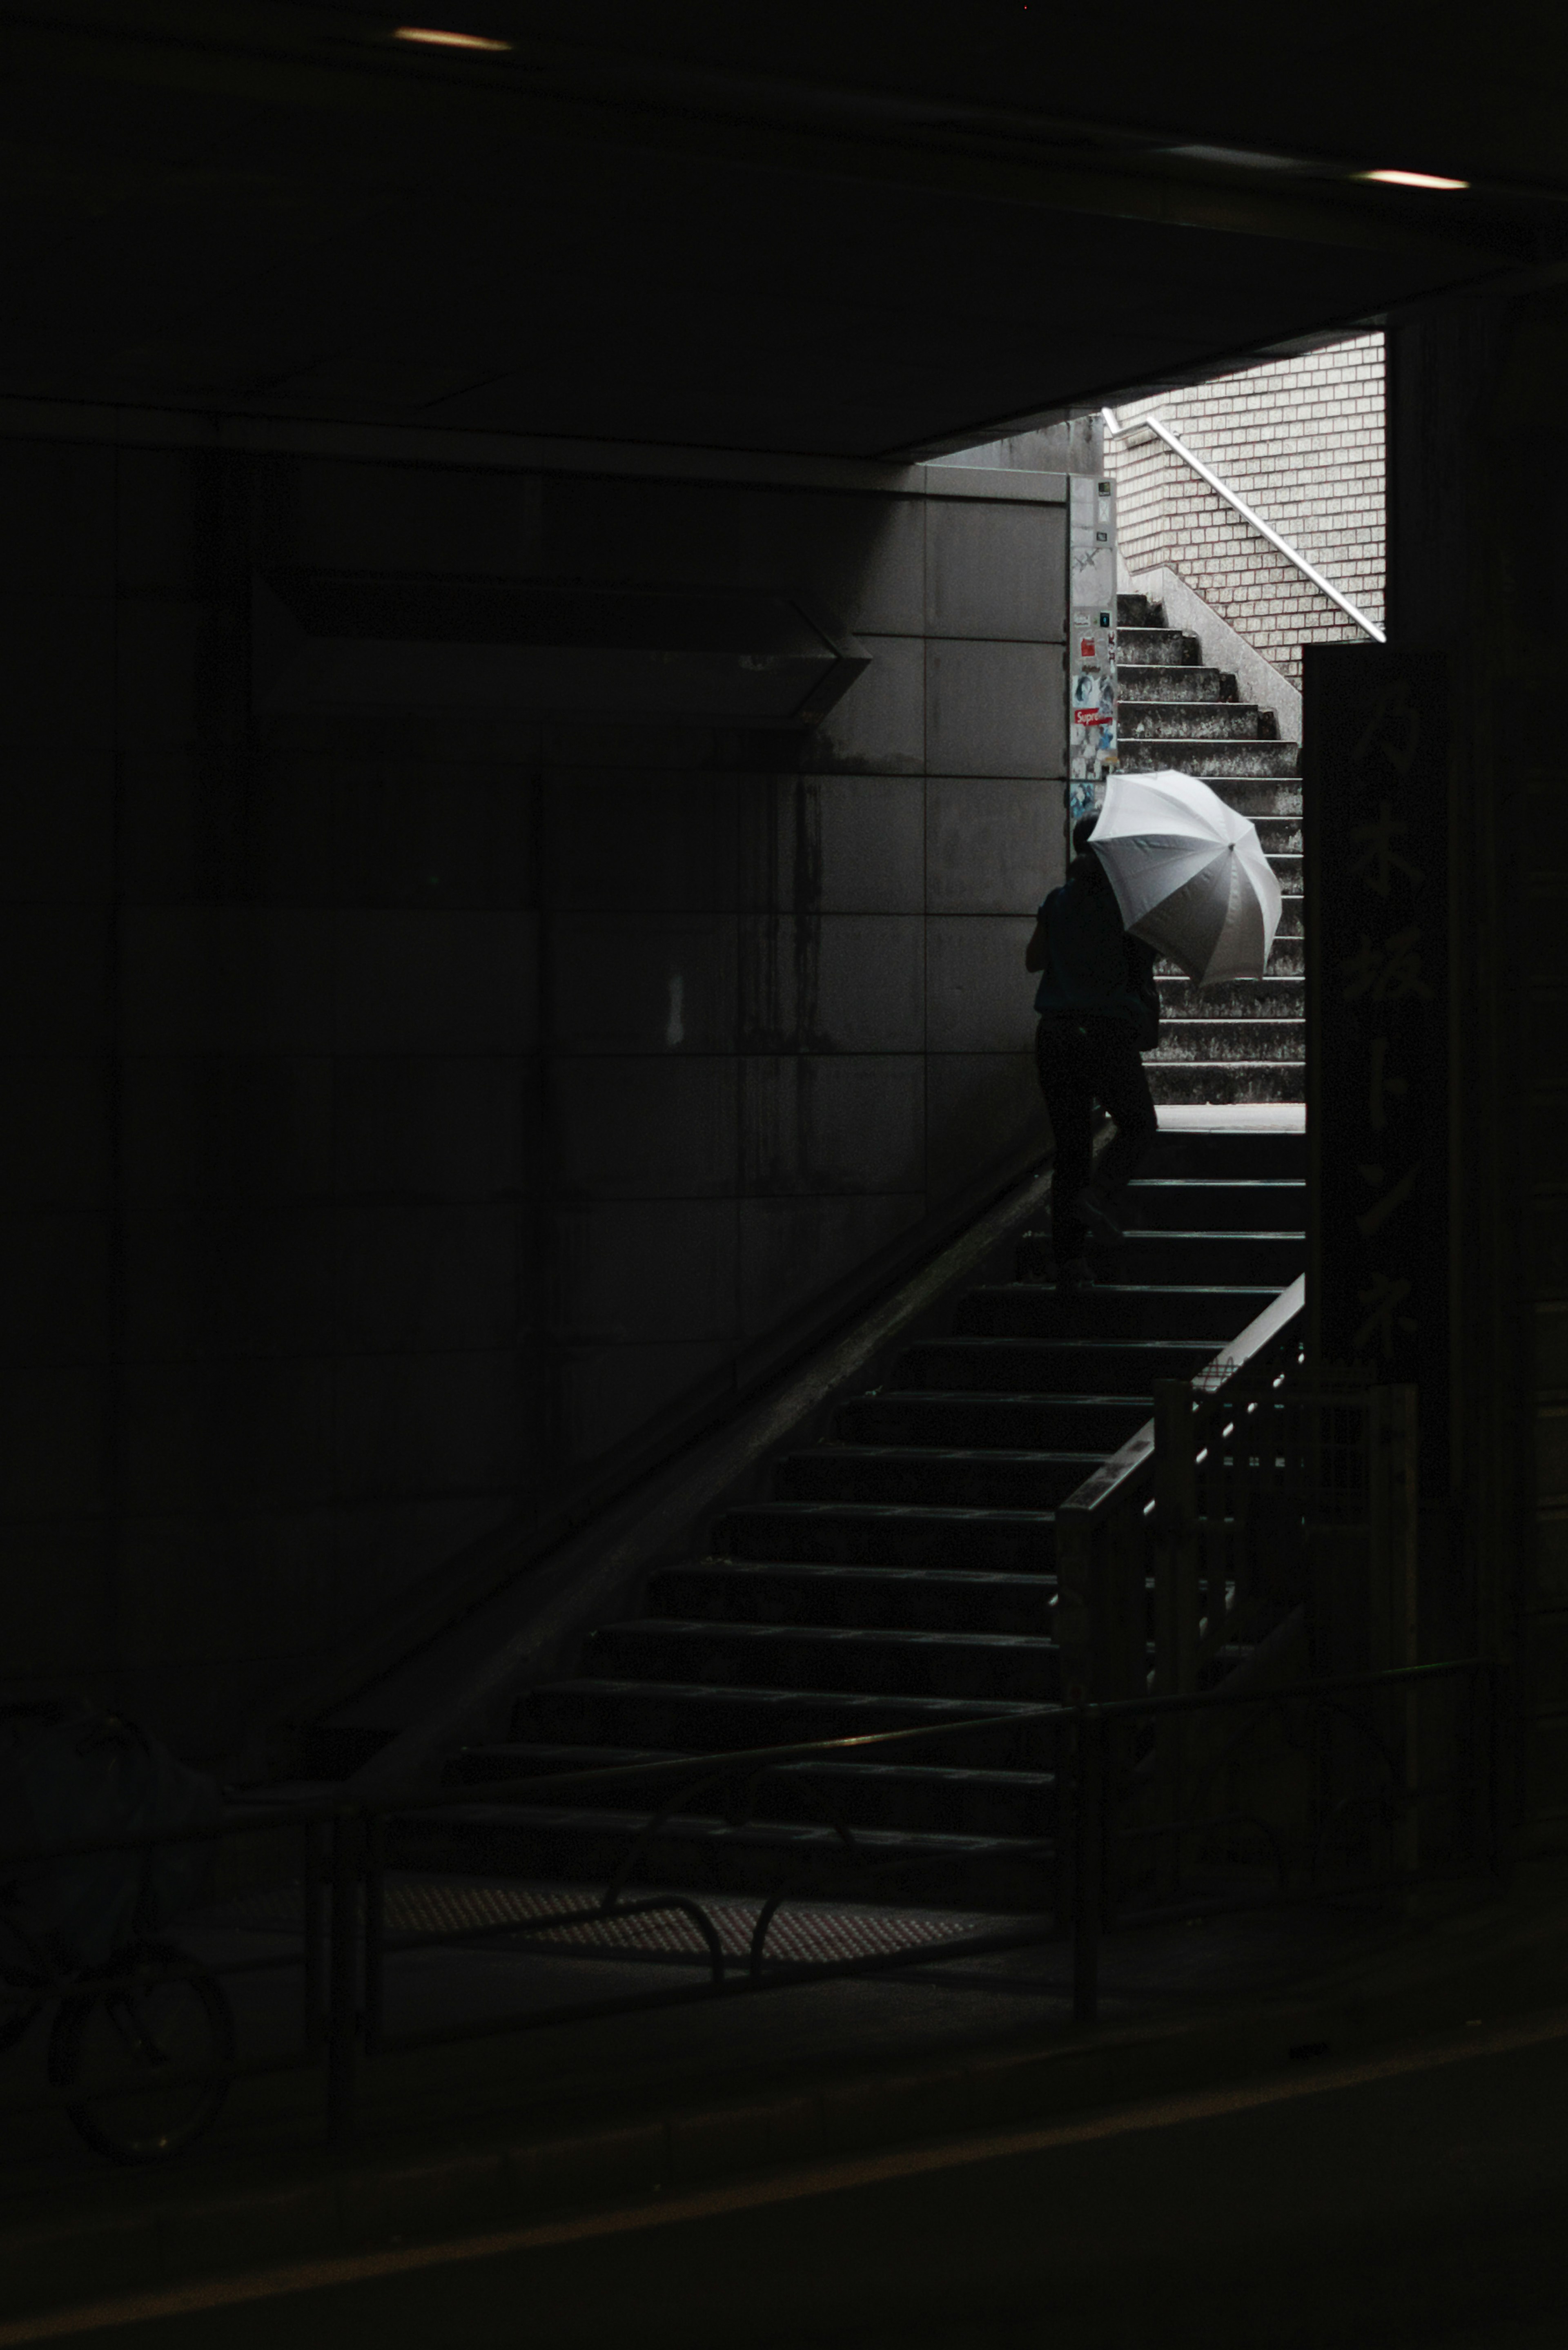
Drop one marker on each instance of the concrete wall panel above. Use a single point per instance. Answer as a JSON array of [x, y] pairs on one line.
[[861, 560], [994, 709], [433, 1125], [832, 1123], [641, 1270], [993, 845], [833, 983], [52, 1462], [644, 1129], [55, 1137], [880, 726], [59, 826], [981, 1108], [641, 983], [57, 517], [979, 997], [790, 1249], [222, 1126], [57, 673], [995, 574], [436, 982]]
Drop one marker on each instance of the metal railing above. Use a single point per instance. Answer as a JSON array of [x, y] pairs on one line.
[[1117, 1531], [1249, 515], [1347, 1812]]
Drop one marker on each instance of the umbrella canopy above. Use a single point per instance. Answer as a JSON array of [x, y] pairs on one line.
[[1190, 874]]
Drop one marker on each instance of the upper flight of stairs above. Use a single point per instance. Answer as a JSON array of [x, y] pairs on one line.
[[900, 1573], [1245, 1041]]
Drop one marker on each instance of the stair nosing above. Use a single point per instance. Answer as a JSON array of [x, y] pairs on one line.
[[840, 1635], [944, 1770], [717, 1829], [1004, 1707]]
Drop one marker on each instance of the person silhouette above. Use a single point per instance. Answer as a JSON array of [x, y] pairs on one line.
[[1099, 1014]]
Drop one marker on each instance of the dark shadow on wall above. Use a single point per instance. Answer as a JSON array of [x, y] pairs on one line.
[[429, 1112]]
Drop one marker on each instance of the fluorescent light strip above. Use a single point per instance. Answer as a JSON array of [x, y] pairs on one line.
[[1412, 180], [435, 39]]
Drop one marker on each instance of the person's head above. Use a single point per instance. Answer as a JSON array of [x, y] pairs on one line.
[[1086, 865]]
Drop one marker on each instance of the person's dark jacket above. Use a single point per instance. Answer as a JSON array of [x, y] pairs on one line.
[[1093, 969]]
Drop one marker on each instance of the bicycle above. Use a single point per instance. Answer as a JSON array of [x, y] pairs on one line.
[[151, 2008]]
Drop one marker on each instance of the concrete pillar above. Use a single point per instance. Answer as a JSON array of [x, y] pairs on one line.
[[1475, 479]]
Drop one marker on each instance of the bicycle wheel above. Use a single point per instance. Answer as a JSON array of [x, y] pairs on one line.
[[176, 2019], [19, 2004]]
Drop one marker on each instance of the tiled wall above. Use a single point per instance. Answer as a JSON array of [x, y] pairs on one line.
[[406, 1115], [1302, 442]]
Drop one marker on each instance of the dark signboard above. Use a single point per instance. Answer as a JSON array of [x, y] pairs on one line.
[[1375, 768]]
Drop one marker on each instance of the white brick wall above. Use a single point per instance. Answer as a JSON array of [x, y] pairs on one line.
[[1302, 440]]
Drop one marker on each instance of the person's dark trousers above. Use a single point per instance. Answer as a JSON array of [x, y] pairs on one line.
[[1081, 1062]]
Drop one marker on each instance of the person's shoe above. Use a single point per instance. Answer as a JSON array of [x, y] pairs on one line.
[[1073, 1277], [1091, 1209]]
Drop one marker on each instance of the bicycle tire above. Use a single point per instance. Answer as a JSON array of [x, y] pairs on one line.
[[107, 2122], [19, 2004]]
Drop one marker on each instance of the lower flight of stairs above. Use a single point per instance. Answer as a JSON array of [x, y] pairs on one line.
[[900, 1574], [1245, 1041]]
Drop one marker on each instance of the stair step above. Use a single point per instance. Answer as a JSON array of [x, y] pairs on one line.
[[1185, 1203], [1217, 1082], [924, 1797], [913, 1416], [910, 1598], [1144, 755], [1157, 649], [1288, 960], [970, 1479], [1045, 1367], [885, 1534], [1164, 682], [702, 1720], [1124, 1310], [1280, 996], [1190, 720], [1206, 1038], [1275, 1258], [1227, 1154], [1261, 797], [977, 1666], [1135, 611], [579, 1844]]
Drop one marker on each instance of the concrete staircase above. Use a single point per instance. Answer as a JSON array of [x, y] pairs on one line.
[[901, 1572], [1245, 1041]]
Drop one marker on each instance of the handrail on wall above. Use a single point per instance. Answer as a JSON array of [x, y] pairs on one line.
[[1247, 512]]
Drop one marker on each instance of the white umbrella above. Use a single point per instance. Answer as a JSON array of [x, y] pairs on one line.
[[1190, 874]]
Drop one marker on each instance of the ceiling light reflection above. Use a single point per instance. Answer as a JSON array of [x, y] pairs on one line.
[[1413, 180], [436, 40]]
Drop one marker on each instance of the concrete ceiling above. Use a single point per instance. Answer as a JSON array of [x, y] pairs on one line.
[[857, 231]]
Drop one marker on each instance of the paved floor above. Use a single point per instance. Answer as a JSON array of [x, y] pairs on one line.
[[595, 2063], [1415, 2199]]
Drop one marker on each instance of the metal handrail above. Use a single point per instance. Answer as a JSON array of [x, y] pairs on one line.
[[1116, 1479], [1247, 514], [346, 1946]]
